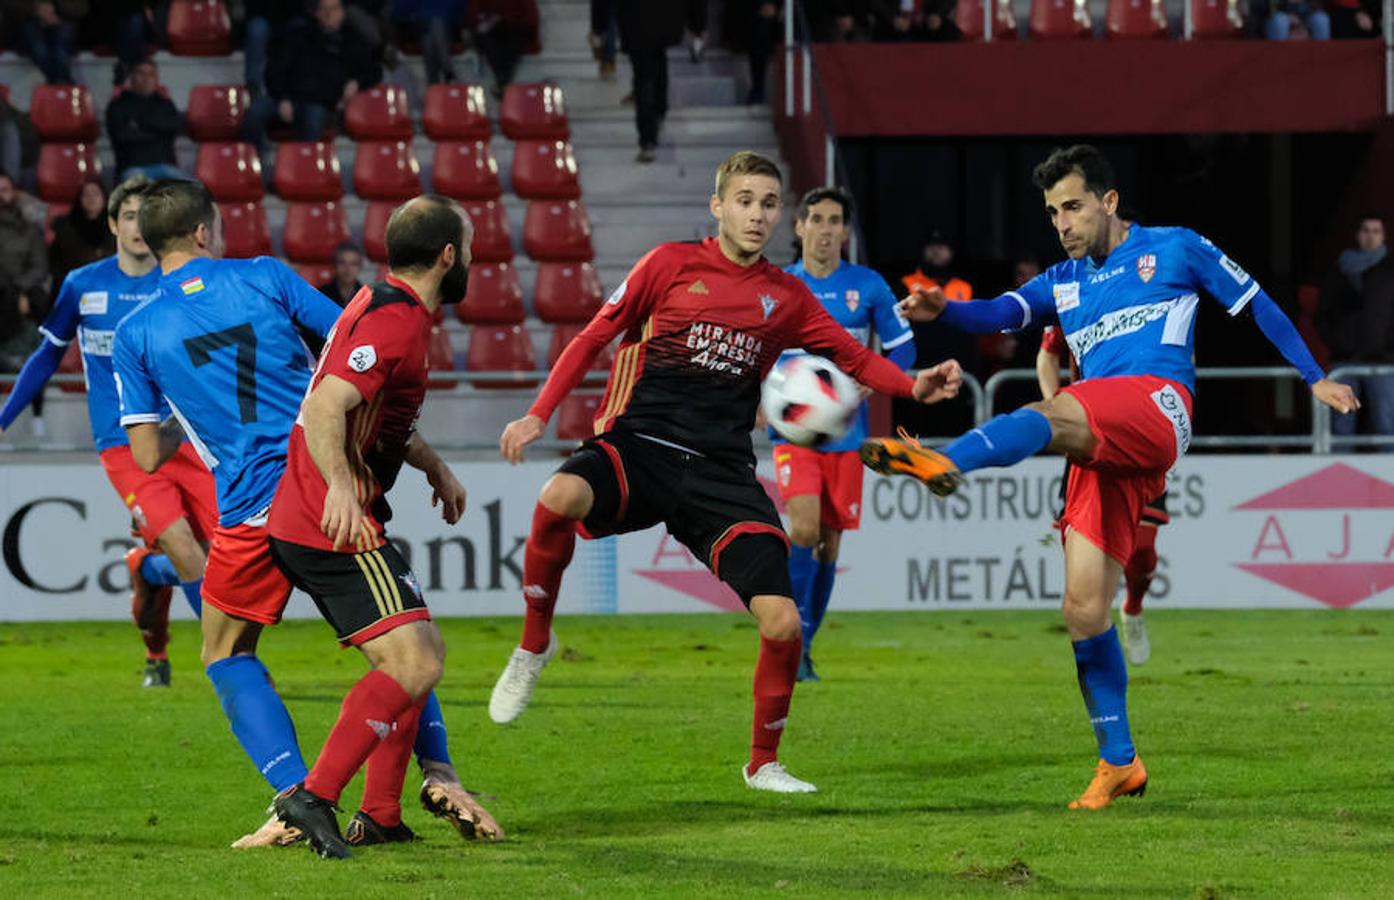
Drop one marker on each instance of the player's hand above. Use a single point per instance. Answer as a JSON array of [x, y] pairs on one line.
[[1338, 396], [447, 491], [939, 382], [342, 521], [518, 434], [923, 304]]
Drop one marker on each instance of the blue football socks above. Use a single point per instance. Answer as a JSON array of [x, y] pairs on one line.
[[259, 719], [822, 593], [430, 733], [193, 592], [1002, 441], [1103, 680], [158, 570], [803, 568]]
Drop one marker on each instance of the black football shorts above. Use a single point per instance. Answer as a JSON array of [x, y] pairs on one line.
[[363, 595]]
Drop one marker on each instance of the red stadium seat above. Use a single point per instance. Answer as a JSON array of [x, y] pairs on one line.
[[492, 240], [545, 170], [231, 171], [576, 416], [567, 292], [375, 229], [534, 112], [565, 334], [1060, 20], [314, 230], [465, 170], [199, 28], [386, 170], [216, 112], [494, 297], [71, 364], [557, 231], [1216, 19], [379, 114], [63, 168], [315, 273], [63, 112], [501, 348], [1136, 19], [245, 232], [968, 15], [456, 112], [308, 170], [440, 356]]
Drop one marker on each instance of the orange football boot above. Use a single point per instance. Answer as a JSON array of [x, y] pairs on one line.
[[907, 456], [1111, 782]]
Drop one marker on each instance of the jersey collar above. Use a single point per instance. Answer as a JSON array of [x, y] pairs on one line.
[[405, 288]]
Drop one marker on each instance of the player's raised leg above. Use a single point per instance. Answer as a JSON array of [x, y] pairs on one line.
[[1137, 578], [776, 669], [565, 500]]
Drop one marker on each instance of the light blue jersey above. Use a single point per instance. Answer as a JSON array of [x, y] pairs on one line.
[[1135, 313], [859, 300], [220, 344]]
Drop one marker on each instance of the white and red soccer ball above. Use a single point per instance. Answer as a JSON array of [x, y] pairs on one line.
[[809, 401]]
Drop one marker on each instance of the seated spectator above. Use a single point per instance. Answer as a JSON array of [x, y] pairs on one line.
[[833, 21], [348, 266], [46, 32], [131, 27], [19, 143], [503, 31], [435, 25], [314, 69], [82, 236], [1297, 19], [1353, 18], [915, 20], [23, 257], [143, 124], [265, 20], [1357, 320]]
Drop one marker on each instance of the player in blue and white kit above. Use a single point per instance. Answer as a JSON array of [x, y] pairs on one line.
[[1126, 300], [175, 509], [822, 486], [220, 345]]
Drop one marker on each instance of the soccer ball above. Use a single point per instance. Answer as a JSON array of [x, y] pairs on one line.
[[809, 401]]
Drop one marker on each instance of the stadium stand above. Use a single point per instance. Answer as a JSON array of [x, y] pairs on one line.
[[534, 111], [1136, 19], [386, 170], [558, 231], [495, 297], [492, 239], [466, 170], [1217, 18], [245, 230], [199, 28], [215, 112], [545, 170], [63, 112], [567, 292], [313, 230], [232, 171], [62, 167], [308, 171], [456, 112], [968, 15], [501, 348], [379, 114], [1059, 20]]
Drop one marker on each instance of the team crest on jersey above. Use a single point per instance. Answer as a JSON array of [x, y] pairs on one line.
[[854, 299], [192, 286], [1146, 266], [768, 303], [361, 359], [92, 303]]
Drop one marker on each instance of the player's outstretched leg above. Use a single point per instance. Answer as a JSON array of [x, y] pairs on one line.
[[442, 794], [565, 500], [151, 580], [776, 668], [1002, 441], [1090, 580], [803, 512], [1137, 576]]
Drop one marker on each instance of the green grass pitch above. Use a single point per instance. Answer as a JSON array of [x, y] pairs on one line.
[[945, 746]]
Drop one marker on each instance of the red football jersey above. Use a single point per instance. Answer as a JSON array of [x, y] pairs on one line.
[[1053, 342], [699, 335], [379, 346]]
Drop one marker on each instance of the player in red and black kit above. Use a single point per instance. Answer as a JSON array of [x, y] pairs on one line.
[[1142, 564], [702, 323], [356, 429]]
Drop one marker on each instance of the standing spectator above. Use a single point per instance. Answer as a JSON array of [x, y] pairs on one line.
[[19, 337], [1291, 18], [83, 235], [936, 269], [1353, 18], [503, 31], [19, 142], [348, 266], [833, 21], [315, 68], [23, 258], [130, 26], [647, 30], [759, 30], [47, 34], [604, 37], [143, 124], [915, 20], [1357, 321], [265, 21], [435, 24]]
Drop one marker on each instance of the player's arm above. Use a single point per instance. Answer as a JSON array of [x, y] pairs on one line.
[[324, 418], [139, 397], [154, 443], [897, 337], [58, 331], [1032, 304], [1241, 294], [1048, 362], [306, 305], [446, 489]]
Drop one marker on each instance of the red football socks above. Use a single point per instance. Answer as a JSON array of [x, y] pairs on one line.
[[387, 770], [366, 719], [153, 622], [1137, 574], [549, 548], [775, 670]]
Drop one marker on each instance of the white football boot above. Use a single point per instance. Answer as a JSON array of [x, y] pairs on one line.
[[514, 688], [774, 777], [1136, 646]]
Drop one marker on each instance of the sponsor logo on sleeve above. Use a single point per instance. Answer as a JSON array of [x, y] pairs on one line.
[[1234, 270], [618, 294], [361, 359], [92, 303]]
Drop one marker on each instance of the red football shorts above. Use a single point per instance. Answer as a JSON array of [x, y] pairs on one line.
[[182, 488], [1143, 425], [834, 478], [241, 578]]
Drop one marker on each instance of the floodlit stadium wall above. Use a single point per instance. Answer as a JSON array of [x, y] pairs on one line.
[[1250, 531]]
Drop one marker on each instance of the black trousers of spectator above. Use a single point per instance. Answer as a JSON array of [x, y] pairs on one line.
[[650, 91], [502, 48]]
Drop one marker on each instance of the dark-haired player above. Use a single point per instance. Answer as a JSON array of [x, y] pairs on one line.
[[1126, 300], [822, 486], [174, 509], [702, 323]]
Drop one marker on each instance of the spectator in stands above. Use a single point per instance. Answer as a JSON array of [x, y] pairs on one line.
[[46, 32], [315, 68], [832, 21], [1292, 19], [503, 31], [936, 269], [265, 21], [647, 30], [143, 124], [1354, 18], [914, 20], [23, 258], [19, 337], [604, 37], [759, 30], [19, 142], [369, 19], [348, 266], [435, 24], [131, 25], [82, 235], [1357, 320]]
